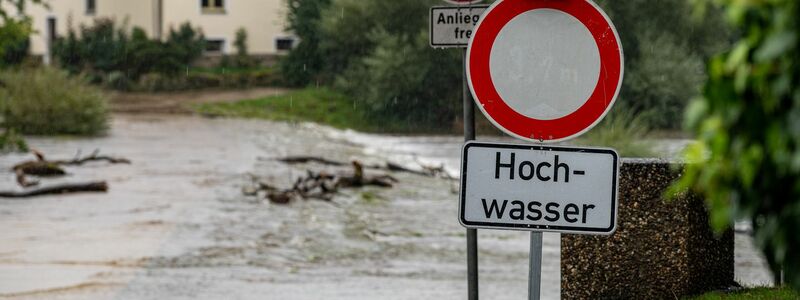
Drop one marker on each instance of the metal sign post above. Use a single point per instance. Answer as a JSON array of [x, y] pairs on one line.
[[535, 272], [472, 234]]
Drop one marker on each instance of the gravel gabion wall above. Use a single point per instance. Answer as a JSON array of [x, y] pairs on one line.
[[662, 249]]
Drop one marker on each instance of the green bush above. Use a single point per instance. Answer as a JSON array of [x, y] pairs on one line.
[[14, 41], [622, 131], [748, 129], [377, 52], [10, 141], [105, 48], [403, 80], [305, 61], [665, 49], [49, 101], [242, 59]]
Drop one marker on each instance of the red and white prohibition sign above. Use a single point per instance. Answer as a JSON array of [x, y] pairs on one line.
[[545, 70]]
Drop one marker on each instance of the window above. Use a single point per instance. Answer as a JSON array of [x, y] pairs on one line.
[[212, 6], [91, 7], [284, 43], [215, 46]]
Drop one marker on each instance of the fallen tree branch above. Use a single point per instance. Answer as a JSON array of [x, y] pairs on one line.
[[39, 168], [307, 159], [45, 168], [100, 186], [22, 180], [321, 186], [93, 157], [389, 166]]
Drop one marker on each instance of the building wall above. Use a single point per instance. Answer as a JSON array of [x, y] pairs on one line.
[[264, 20]]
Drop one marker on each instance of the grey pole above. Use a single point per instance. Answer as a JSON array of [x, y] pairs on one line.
[[472, 234], [535, 272]]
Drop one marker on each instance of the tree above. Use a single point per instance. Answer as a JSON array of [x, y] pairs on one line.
[[240, 43], [378, 53], [305, 61], [747, 158], [665, 48], [14, 32]]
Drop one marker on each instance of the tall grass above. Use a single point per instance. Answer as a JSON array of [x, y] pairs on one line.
[[623, 132], [47, 101], [10, 141]]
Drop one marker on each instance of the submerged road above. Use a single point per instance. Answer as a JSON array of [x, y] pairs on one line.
[[175, 224]]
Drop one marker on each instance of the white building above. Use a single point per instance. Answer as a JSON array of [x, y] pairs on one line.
[[219, 20]]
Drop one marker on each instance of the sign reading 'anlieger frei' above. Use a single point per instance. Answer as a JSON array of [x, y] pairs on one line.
[[539, 188], [451, 26]]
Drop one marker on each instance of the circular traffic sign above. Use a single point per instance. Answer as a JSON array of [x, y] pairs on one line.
[[545, 71]]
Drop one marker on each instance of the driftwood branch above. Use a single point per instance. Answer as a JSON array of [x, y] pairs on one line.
[[307, 159], [45, 168], [77, 161], [99, 186], [321, 186], [428, 171], [22, 180]]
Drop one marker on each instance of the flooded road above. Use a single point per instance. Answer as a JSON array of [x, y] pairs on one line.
[[175, 224]]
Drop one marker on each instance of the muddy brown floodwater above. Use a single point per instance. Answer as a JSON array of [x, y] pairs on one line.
[[175, 224]]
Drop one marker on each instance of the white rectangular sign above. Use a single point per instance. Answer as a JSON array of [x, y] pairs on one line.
[[451, 26], [539, 188]]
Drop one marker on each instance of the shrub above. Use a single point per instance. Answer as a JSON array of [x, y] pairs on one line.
[[105, 48], [306, 60], [402, 81], [665, 47], [242, 59], [14, 41], [49, 101], [622, 131], [241, 42], [391, 69], [748, 129], [10, 141]]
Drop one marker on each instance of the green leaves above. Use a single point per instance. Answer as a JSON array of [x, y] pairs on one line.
[[105, 48], [48, 101], [776, 45], [748, 130]]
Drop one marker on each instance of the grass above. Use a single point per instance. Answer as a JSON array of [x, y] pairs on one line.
[[47, 101], [621, 131], [10, 141], [752, 293], [319, 105]]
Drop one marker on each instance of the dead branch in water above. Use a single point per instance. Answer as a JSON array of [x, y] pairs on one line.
[[428, 171], [322, 185], [45, 168], [307, 159], [23, 181], [100, 186]]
